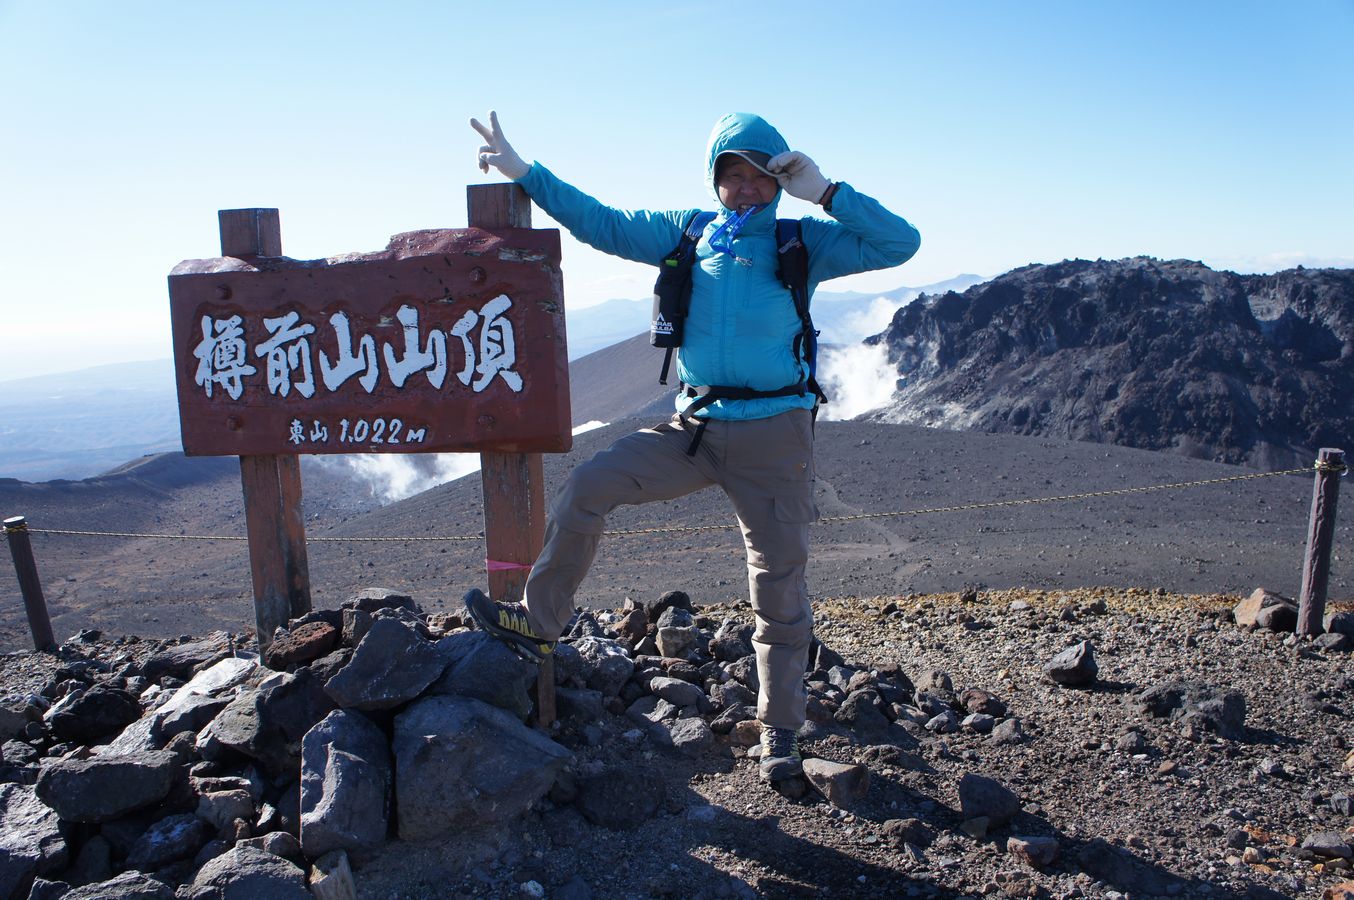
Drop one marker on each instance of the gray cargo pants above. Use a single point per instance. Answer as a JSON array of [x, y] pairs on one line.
[[765, 466]]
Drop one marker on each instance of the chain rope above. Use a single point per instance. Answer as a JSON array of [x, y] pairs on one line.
[[687, 529]]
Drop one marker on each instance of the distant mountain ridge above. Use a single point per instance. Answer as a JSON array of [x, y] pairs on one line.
[[1157, 354]]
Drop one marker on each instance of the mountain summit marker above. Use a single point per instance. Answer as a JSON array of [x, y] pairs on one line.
[[447, 340]]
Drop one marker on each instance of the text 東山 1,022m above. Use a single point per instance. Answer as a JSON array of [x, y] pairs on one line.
[[359, 431]]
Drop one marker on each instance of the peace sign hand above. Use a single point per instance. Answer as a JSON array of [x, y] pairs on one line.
[[497, 152]]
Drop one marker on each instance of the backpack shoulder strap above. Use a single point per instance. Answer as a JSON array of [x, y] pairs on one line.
[[685, 251], [792, 259]]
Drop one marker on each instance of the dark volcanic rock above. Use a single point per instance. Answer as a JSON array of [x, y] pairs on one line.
[[89, 715], [103, 788], [30, 839], [1157, 354]]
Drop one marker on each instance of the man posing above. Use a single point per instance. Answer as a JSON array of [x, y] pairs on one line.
[[745, 412]]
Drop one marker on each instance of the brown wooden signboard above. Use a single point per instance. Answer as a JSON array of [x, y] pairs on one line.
[[449, 340]]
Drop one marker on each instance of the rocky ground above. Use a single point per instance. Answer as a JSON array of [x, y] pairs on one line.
[[1201, 758]]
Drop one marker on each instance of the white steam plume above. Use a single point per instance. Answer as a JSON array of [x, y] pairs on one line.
[[856, 378], [394, 476]]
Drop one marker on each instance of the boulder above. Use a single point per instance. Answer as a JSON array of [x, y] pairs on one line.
[[301, 645], [483, 668], [370, 600], [676, 691], [690, 736], [841, 783], [106, 787], [127, 886], [268, 724], [461, 761], [606, 662], [1339, 623], [1073, 667], [245, 873], [169, 840], [987, 797], [1197, 706], [345, 785], [1037, 852], [391, 666], [181, 660], [86, 716], [679, 599], [30, 839], [1266, 609]]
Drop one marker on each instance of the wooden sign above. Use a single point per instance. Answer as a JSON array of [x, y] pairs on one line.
[[449, 340]]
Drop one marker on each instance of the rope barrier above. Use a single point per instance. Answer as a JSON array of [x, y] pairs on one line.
[[677, 529]]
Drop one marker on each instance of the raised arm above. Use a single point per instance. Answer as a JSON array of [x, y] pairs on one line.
[[865, 236], [637, 235]]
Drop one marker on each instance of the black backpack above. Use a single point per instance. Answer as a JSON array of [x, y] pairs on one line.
[[672, 300]]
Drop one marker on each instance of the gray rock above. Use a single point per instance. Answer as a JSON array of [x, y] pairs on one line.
[[278, 843], [1266, 609], [978, 723], [1334, 623], [30, 839], [127, 886], [945, 723], [391, 666], [1073, 667], [936, 681], [691, 736], [13, 720], [106, 787], [245, 873], [180, 660], [168, 840], [1131, 742], [268, 724], [192, 713], [579, 703], [860, 712], [1038, 852], [606, 662], [676, 691], [356, 624], [482, 667], [1333, 642], [569, 666], [744, 671], [459, 760], [1328, 845], [983, 796], [86, 716], [731, 642], [676, 616], [677, 642], [840, 783], [1007, 732], [1197, 706], [345, 785], [220, 808], [370, 600], [619, 798], [931, 704], [731, 694]]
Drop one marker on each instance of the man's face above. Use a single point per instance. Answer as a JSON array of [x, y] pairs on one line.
[[741, 184]]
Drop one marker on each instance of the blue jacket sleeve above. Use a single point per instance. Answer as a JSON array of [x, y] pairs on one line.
[[865, 236], [637, 235]]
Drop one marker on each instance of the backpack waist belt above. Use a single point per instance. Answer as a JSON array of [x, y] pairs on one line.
[[704, 396]]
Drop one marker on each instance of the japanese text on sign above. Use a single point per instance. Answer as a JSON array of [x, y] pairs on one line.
[[484, 338]]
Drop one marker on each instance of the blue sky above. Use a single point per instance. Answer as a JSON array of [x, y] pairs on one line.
[[1007, 132]]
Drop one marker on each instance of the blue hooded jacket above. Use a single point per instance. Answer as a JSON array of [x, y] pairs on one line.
[[742, 323]]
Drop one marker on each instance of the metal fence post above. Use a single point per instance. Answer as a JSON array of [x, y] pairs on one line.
[[16, 530]]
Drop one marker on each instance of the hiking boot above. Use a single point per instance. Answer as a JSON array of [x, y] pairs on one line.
[[780, 754], [508, 622]]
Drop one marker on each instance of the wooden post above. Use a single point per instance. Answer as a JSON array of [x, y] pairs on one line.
[[16, 530], [1330, 466], [272, 484], [514, 483]]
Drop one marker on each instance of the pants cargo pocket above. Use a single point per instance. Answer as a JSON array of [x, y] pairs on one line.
[[796, 510]]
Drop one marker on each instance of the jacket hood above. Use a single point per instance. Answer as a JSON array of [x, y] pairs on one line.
[[742, 131]]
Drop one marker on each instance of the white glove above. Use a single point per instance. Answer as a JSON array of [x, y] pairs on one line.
[[497, 152], [798, 175]]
